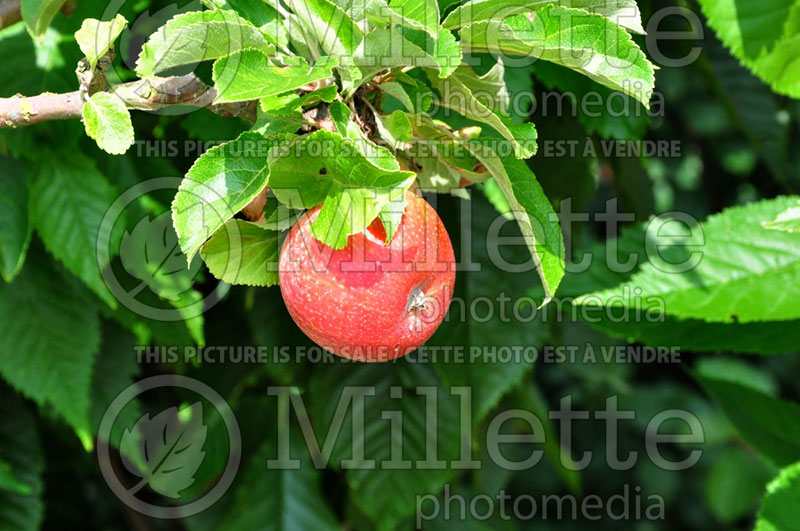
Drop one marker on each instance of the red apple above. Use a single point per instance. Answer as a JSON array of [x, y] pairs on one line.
[[370, 301]]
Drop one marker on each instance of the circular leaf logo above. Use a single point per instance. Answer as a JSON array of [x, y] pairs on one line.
[[154, 280], [151, 254], [164, 452], [170, 451]]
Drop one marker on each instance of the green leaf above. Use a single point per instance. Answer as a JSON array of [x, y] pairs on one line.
[[394, 129], [734, 485], [457, 96], [495, 195], [48, 355], [279, 217], [108, 122], [283, 113], [377, 155], [688, 334], [250, 75], [389, 48], [114, 369], [271, 124], [38, 14], [381, 14], [270, 498], [746, 273], [242, 252], [762, 35], [334, 31], [325, 28], [10, 482], [150, 253], [443, 48], [530, 207], [185, 333], [474, 11], [95, 38], [18, 52], [591, 44], [299, 38], [416, 14], [267, 323], [71, 198], [396, 90], [189, 38], [770, 425], [488, 378], [219, 184], [780, 509], [738, 371], [529, 397], [355, 9], [533, 212], [265, 17], [490, 88], [290, 100], [436, 175], [625, 13], [387, 495], [20, 449], [352, 190], [15, 225], [603, 272], [786, 221], [418, 24], [631, 126], [419, 92], [391, 213], [752, 105], [442, 159], [771, 337]]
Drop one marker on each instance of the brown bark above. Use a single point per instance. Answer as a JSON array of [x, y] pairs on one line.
[[9, 12], [144, 94], [254, 210], [20, 110]]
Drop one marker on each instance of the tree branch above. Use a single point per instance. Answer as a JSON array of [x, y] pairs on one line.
[[143, 94], [9, 12], [18, 110]]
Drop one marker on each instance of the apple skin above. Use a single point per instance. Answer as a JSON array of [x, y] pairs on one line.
[[369, 301]]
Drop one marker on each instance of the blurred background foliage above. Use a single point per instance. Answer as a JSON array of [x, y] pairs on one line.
[[735, 136]]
